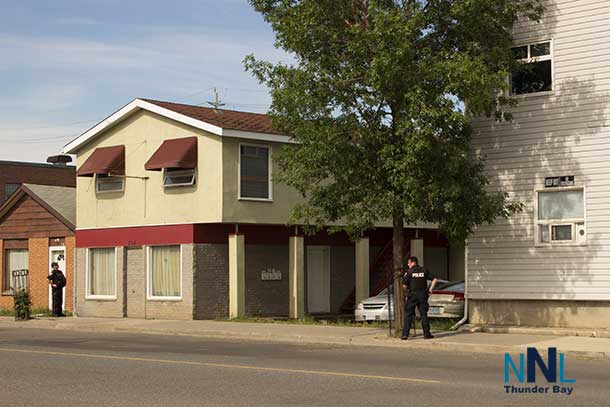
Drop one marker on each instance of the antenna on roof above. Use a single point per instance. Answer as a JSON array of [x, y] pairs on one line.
[[216, 103]]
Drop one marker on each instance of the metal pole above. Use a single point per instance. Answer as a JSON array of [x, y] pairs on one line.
[[390, 305]]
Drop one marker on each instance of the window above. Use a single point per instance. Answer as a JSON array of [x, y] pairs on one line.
[[14, 259], [561, 216], [9, 189], [179, 178], [107, 183], [101, 273], [536, 73], [254, 172], [164, 272]]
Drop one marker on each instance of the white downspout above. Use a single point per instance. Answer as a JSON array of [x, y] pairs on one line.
[[465, 317]]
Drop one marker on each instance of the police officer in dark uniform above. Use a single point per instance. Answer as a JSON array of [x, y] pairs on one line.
[[415, 282], [57, 280]]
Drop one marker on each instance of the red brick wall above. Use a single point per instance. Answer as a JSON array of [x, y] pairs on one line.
[[70, 270], [6, 302], [39, 270], [21, 173]]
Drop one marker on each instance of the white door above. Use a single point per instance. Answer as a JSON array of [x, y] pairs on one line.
[[318, 279], [57, 254]]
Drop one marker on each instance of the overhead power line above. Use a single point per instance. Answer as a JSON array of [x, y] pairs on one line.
[[54, 126]]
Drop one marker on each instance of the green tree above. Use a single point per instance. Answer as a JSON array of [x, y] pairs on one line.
[[379, 98]]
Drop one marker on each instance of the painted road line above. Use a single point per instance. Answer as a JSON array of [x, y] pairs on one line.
[[222, 365]]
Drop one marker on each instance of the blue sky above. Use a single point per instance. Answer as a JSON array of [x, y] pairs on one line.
[[67, 64]]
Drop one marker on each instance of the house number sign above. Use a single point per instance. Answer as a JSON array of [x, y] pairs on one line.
[[271, 274]]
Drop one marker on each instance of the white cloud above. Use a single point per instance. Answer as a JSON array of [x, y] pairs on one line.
[[190, 52], [63, 53], [36, 143], [44, 98], [71, 76]]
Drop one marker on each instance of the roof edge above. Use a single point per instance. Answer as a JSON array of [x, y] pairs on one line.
[[21, 192], [141, 104]]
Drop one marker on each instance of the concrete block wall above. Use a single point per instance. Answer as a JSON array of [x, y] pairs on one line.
[[95, 307], [173, 309], [134, 282], [131, 299], [266, 298], [543, 313], [211, 281], [342, 275]]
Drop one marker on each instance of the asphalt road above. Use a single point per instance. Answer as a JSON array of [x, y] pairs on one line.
[[59, 368]]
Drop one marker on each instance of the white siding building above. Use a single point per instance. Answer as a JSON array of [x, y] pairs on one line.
[[550, 265]]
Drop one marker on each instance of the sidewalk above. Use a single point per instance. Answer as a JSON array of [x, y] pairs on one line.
[[462, 341]]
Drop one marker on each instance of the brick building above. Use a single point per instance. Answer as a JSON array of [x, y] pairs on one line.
[[14, 173], [37, 228]]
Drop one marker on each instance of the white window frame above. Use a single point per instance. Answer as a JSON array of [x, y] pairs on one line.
[[88, 295], [111, 178], [270, 164], [529, 60], [149, 295], [4, 270], [560, 222], [192, 172]]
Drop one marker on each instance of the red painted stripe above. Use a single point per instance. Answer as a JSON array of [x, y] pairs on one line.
[[136, 236], [218, 233]]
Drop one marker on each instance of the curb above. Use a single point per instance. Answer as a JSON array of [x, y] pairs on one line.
[[373, 340], [497, 329]]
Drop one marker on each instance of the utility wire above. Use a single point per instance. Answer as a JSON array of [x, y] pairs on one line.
[[46, 126]]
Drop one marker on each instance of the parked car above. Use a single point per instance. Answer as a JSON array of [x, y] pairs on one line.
[[446, 301], [373, 308]]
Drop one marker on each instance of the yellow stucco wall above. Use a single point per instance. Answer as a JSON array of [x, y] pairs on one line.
[[213, 199], [247, 211], [147, 202]]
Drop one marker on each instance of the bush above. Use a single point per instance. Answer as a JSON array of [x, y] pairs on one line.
[[22, 305]]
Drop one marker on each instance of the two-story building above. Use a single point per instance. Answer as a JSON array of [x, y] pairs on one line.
[[550, 265], [178, 216]]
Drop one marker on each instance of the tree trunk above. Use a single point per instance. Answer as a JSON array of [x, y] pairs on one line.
[[398, 268]]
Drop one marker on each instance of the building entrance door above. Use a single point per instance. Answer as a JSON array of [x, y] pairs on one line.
[[57, 254], [318, 279]]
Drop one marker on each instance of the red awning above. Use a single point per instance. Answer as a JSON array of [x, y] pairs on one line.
[[104, 161], [180, 153]]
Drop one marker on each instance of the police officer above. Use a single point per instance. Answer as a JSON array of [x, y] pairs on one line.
[[415, 283], [57, 280]]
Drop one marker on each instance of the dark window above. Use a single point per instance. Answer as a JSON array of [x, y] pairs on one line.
[[254, 172], [535, 77], [536, 71], [9, 189], [539, 50], [520, 52]]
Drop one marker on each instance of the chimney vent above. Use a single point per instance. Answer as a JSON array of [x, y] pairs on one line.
[[59, 160]]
